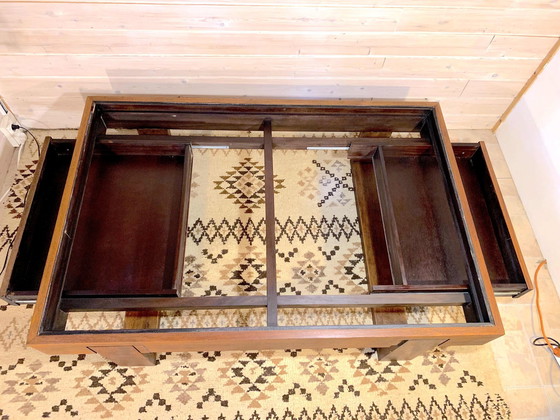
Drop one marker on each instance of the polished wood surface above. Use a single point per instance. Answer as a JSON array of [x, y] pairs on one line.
[[428, 296], [431, 251], [484, 304], [127, 197], [372, 234], [270, 220], [484, 323], [360, 144], [387, 211]]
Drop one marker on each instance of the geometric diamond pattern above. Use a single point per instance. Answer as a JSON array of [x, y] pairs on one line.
[[245, 185], [273, 384]]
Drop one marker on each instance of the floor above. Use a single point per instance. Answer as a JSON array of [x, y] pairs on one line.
[[529, 375]]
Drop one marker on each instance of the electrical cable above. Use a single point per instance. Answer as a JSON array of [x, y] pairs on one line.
[[17, 127], [535, 342], [547, 341]]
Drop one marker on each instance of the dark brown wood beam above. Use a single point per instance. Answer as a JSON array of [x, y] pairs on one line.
[[250, 118], [161, 303], [375, 300], [391, 228], [245, 142], [270, 220], [376, 258], [408, 298]]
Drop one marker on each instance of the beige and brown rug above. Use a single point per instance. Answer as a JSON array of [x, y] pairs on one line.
[[319, 252]]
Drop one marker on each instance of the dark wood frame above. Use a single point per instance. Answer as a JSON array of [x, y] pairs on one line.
[[21, 279], [492, 220], [162, 113]]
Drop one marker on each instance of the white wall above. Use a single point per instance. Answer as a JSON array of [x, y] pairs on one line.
[[530, 140], [6, 154]]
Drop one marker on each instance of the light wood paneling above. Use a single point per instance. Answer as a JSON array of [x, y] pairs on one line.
[[165, 42], [282, 17], [367, 87], [473, 4], [473, 56], [275, 66]]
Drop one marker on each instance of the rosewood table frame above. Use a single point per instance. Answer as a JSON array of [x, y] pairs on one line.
[[163, 113]]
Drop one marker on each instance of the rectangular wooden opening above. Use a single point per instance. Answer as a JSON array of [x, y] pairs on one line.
[[415, 231], [131, 223], [25, 269], [494, 229]]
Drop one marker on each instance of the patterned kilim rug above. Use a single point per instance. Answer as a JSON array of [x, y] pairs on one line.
[[319, 252]]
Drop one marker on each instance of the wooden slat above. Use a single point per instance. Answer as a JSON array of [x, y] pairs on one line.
[[376, 258], [491, 89], [161, 141], [247, 66], [168, 43], [162, 303], [200, 17], [472, 4], [484, 106], [254, 142], [270, 220], [519, 46], [398, 288], [471, 121], [391, 230], [381, 299], [478, 68], [270, 66], [47, 91], [499, 21], [183, 221], [248, 121], [282, 17], [375, 300]]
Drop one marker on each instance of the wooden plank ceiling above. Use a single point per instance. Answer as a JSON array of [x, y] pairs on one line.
[[472, 55]]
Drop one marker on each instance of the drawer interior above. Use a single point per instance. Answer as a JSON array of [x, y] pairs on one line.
[[411, 207], [497, 239], [128, 232], [422, 215], [30, 250], [400, 196]]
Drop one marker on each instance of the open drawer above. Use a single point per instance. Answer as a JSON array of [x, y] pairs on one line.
[[154, 212], [402, 205], [495, 232], [25, 267], [30, 248]]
